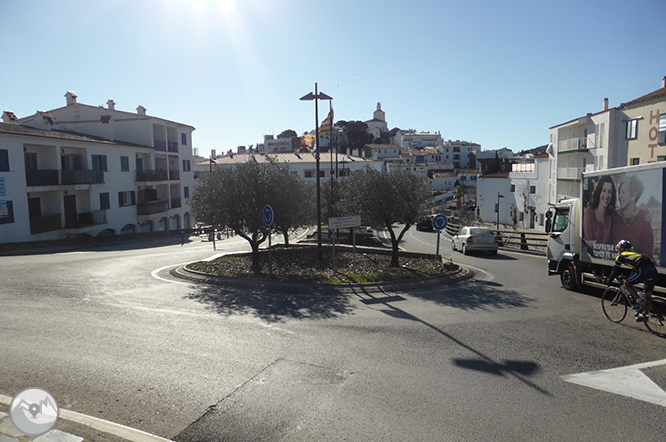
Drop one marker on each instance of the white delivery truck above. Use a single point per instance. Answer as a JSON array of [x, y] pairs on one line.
[[615, 204]]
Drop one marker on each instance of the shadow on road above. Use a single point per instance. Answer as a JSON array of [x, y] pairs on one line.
[[476, 295], [271, 307], [489, 295], [525, 368]]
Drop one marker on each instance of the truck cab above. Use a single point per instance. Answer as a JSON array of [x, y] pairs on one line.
[[563, 228]]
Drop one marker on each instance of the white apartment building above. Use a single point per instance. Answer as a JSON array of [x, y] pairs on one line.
[[277, 145], [462, 154], [303, 164], [412, 139], [583, 144], [86, 170], [522, 194]]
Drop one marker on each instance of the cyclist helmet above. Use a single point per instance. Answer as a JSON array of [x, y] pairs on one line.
[[624, 246]]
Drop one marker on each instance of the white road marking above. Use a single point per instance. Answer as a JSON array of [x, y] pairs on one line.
[[627, 381]]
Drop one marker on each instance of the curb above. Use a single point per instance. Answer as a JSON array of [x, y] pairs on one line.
[[309, 289], [121, 431]]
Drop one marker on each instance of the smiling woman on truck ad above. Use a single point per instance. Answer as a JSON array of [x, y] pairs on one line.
[[623, 206]]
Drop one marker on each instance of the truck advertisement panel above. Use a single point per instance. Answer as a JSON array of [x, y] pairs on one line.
[[624, 205]]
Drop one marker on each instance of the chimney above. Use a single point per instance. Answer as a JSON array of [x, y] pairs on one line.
[[8, 117], [213, 153], [71, 98], [663, 82], [111, 104], [141, 110], [605, 104]]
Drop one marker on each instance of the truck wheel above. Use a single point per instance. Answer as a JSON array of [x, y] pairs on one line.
[[568, 278]]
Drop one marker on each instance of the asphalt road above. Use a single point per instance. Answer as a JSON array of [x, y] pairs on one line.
[[111, 334]]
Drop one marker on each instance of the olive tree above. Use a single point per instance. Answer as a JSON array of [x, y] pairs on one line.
[[235, 198], [385, 199]]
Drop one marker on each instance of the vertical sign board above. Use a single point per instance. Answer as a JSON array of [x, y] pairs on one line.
[[344, 222]]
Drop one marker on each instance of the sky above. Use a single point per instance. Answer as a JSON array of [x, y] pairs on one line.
[[498, 74]]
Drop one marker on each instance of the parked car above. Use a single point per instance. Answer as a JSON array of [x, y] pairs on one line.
[[425, 223], [470, 238]]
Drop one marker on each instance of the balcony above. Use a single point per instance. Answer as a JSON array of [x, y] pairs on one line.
[[161, 145], [79, 220], [152, 175], [175, 203], [64, 177], [173, 146], [82, 177], [572, 144], [151, 207], [42, 224], [570, 173], [41, 177], [174, 174]]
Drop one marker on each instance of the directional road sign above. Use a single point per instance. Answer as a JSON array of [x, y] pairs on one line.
[[439, 222], [268, 215]]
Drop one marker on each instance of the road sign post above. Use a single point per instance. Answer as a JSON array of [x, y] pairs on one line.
[[268, 215], [439, 222], [344, 222]]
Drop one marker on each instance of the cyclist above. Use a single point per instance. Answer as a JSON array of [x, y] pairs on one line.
[[643, 270]]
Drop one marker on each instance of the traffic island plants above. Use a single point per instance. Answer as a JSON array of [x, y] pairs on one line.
[[301, 264]]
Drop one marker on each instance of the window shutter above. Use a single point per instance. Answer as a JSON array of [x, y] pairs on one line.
[[133, 198], [120, 199]]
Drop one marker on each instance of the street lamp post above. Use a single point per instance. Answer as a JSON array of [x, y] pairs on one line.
[[316, 97], [499, 195]]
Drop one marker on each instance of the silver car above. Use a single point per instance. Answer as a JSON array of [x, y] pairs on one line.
[[475, 238]]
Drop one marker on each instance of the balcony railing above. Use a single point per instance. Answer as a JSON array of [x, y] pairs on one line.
[[570, 173], [160, 145], [175, 203], [82, 177], [151, 207], [41, 177], [174, 174], [64, 177], [173, 146], [84, 219], [152, 175], [572, 144], [48, 223]]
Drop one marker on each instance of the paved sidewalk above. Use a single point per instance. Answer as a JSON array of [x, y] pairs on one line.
[[73, 427]]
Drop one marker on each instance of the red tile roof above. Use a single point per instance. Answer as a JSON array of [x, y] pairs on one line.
[[652, 95]]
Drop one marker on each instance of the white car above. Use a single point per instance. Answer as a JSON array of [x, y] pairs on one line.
[[471, 238]]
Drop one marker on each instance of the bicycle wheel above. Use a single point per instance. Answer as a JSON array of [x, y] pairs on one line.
[[614, 304], [655, 318]]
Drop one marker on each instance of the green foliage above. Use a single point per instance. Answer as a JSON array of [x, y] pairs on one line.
[[385, 199], [235, 198]]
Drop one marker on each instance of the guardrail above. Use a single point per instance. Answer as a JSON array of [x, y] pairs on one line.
[[528, 240]]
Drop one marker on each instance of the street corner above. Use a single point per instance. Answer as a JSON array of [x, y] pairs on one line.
[[70, 427]]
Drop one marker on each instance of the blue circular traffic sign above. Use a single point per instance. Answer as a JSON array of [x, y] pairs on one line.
[[268, 215], [439, 222]]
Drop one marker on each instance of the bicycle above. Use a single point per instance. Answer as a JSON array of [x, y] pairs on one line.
[[616, 300]]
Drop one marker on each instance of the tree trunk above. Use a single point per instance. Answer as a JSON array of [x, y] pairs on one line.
[[286, 238], [394, 254], [256, 264]]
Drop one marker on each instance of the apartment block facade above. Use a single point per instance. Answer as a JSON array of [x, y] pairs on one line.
[[631, 133], [86, 170]]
